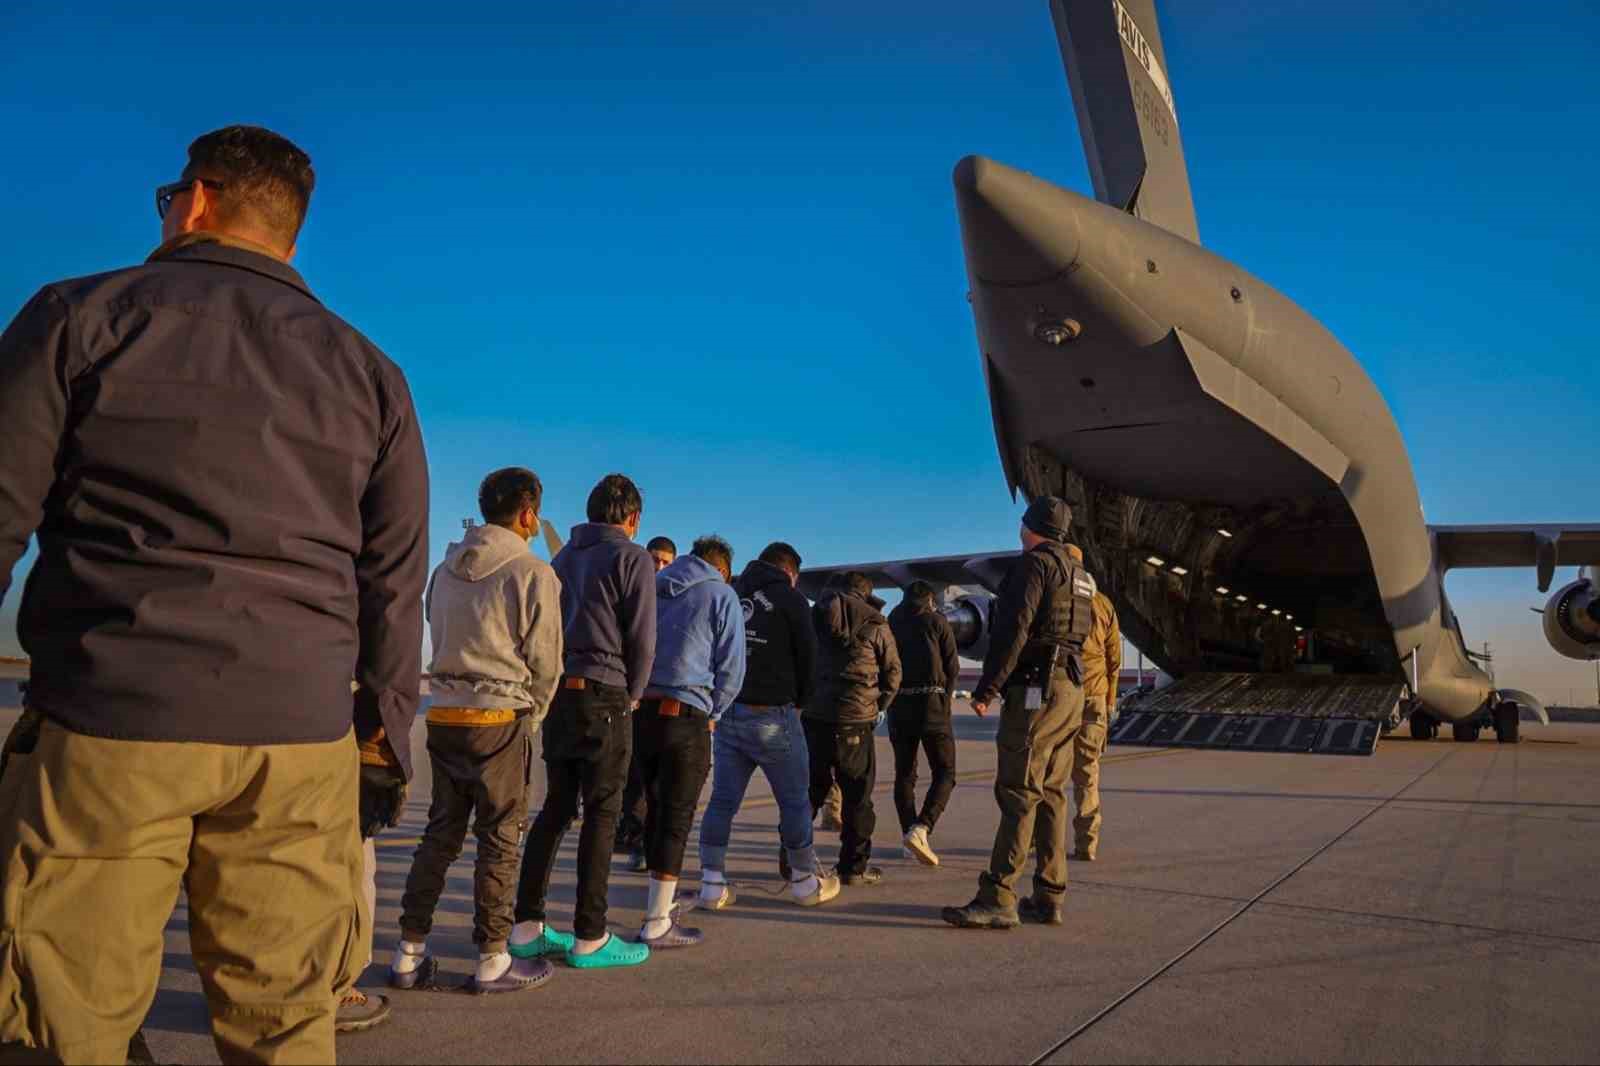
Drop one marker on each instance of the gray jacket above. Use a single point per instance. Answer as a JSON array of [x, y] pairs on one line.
[[494, 613]]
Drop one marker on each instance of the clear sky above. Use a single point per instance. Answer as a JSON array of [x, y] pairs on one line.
[[714, 245]]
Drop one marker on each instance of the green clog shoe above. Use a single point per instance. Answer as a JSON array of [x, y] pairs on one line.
[[614, 952], [549, 942]]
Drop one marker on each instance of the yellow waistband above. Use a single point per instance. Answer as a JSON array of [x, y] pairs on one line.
[[471, 716]]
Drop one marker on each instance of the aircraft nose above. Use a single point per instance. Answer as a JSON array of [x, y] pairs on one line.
[[1016, 228]]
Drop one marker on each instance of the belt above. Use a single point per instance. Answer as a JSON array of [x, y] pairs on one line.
[[575, 682], [670, 707], [764, 708], [922, 690], [479, 716]]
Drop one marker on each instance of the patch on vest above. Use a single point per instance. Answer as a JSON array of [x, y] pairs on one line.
[[1083, 583]]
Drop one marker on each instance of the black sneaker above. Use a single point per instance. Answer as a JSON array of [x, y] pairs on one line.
[[872, 875], [784, 870], [637, 861], [981, 915], [1038, 909]]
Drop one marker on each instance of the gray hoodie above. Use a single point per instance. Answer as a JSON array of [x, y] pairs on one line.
[[494, 611]]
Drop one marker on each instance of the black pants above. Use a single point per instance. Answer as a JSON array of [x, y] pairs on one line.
[[844, 753], [674, 756], [630, 827], [909, 731], [587, 740], [480, 777]]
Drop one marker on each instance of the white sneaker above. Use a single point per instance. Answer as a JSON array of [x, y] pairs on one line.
[[827, 888], [714, 897], [916, 842]]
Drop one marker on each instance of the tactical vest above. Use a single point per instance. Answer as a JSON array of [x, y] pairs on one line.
[[1066, 613]]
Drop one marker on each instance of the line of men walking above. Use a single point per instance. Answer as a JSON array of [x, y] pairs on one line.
[[193, 627]]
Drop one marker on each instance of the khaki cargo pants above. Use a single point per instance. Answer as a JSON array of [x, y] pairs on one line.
[[96, 837], [1031, 774], [1089, 745]]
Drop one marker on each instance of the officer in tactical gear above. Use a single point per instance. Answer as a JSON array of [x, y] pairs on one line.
[[1043, 615]]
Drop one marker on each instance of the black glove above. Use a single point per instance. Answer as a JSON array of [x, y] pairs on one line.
[[383, 798]]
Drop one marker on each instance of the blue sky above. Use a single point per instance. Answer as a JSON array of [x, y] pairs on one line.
[[716, 248]]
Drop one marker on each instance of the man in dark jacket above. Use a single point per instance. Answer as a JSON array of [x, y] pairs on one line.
[[858, 673], [230, 495], [630, 825], [920, 715], [608, 611], [763, 730], [1042, 616]]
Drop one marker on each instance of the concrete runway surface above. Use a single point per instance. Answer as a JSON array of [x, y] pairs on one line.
[[1437, 902]]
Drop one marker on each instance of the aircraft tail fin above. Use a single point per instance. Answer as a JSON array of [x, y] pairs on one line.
[[1118, 73]]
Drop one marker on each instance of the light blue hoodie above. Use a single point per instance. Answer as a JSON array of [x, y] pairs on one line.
[[699, 636]]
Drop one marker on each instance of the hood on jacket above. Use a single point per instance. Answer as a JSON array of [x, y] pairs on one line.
[[590, 534], [906, 610], [842, 614], [760, 575], [482, 551], [683, 574]]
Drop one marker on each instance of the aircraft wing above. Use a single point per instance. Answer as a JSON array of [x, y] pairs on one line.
[[987, 570], [1543, 546]]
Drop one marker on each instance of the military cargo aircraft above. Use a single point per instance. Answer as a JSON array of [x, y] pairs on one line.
[[1240, 489]]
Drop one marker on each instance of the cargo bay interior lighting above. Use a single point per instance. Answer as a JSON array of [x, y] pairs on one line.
[[1261, 607], [1222, 590], [1225, 533], [1180, 570], [1276, 611], [1155, 560], [1242, 599]]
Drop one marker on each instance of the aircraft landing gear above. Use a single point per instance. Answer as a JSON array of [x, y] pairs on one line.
[[1465, 732], [1423, 726], [1507, 723]]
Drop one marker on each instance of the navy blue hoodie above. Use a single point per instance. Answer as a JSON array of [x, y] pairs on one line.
[[608, 607]]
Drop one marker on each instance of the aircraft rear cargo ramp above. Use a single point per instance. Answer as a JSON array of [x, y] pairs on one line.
[[1318, 713]]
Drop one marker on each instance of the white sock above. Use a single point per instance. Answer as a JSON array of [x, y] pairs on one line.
[[712, 884], [585, 947], [526, 932], [804, 886], [408, 956], [658, 912], [493, 967]]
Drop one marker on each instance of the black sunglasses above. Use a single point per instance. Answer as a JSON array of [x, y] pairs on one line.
[[165, 193]]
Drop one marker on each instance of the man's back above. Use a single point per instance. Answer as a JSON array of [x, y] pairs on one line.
[[608, 605], [780, 645], [858, 666], [232, 456], [929, 660]]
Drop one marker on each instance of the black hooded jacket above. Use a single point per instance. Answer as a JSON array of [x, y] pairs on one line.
[[858, 666], [930, 663], [780, 647]]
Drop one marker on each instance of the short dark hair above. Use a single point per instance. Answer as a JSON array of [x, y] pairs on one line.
[[781, 555], [919, 592], [504, 493], [713, 549], [263, 175], [662, 544], [615, 500]]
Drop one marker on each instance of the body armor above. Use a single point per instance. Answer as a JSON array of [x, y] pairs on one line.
[[1066, 615]]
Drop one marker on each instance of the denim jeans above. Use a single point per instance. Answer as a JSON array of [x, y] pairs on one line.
[[774, 741]]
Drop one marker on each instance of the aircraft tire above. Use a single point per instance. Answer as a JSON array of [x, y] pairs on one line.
[[1464, 732], [1423, 727], [1508, 723]]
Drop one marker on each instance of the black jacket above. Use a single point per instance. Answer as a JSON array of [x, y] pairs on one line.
[[780, 646], [1015, 614], [608, 607], [231, 501], [858, 667], [929, 661]]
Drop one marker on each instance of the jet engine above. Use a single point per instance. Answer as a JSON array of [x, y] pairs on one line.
[[1572, 619], [968, 616]]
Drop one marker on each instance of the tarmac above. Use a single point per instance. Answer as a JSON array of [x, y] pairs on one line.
[[1435, 902]]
